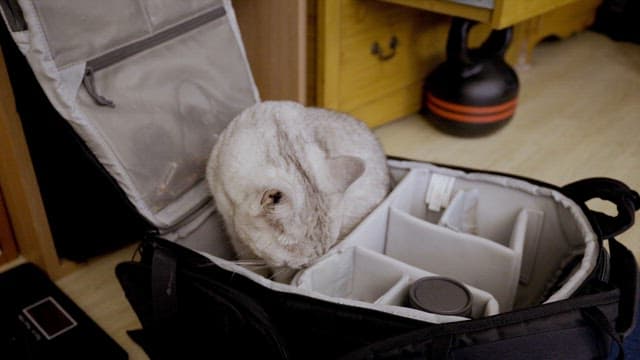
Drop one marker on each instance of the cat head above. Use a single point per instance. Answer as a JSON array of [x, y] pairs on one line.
[[299, 220]]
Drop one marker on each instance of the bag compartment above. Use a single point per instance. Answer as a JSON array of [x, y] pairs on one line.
[[467, 258], [502, 235], [360, 274], [167, 111]]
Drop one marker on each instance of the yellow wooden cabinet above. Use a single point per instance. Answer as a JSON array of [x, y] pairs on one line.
[[351, 78]]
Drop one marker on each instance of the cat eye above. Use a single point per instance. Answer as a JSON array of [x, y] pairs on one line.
[[276, 197], [271, 197]]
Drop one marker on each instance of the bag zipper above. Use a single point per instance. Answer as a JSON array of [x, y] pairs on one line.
[[119, 54]]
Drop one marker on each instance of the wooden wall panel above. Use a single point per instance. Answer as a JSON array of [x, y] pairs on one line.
[[275, 38], [7, 242]]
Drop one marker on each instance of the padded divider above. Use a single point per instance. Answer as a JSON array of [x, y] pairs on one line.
[[491, 208], [535, 220], [397, 175], [361, 274], [503, 235], [411, 193], [461, 215], [467, 258], [353, 274], [398, 294], [371, 232]]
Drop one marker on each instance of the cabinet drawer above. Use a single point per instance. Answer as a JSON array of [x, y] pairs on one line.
[[366, 76], [352, 79]]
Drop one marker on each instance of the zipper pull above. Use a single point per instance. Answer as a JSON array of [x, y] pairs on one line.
[[88, 83]]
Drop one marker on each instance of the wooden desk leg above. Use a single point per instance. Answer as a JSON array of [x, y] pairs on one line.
[[7, 243], [20, 188]]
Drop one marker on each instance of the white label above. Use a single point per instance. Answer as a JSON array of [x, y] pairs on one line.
[[439, 191]]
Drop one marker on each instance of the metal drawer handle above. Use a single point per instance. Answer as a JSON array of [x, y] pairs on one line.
[[377, 50]]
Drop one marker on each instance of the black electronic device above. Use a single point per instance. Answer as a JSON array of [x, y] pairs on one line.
[[38, 321]]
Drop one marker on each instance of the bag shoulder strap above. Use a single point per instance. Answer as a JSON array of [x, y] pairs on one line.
[[627, 202]]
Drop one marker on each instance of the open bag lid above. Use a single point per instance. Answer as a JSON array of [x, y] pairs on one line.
[[148, 85]]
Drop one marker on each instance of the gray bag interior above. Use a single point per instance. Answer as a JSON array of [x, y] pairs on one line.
[[148, 85]]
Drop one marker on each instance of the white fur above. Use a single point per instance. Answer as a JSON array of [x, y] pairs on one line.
[[291, 181]]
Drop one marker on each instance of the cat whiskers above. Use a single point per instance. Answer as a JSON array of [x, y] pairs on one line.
[[278, 272], [254, 265], [251, 263]]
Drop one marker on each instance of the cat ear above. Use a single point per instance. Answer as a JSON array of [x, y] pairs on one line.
[[271, 198], [345, 170]]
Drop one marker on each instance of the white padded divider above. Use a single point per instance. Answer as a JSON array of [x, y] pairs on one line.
[[361, 274], [398, 294], [535, 220], [461, 215], [467, 258], [371, 232], [352, 274], [527, 232]]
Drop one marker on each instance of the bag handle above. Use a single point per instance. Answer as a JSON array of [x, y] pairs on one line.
[[624, 269], [627, 202]]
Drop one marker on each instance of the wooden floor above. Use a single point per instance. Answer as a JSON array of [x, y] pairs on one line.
[[579, 116]]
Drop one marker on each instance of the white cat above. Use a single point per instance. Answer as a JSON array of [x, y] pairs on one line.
[[291, 181]]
